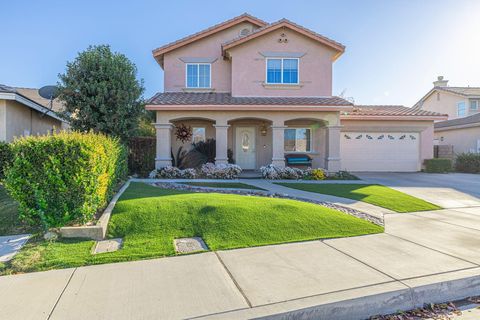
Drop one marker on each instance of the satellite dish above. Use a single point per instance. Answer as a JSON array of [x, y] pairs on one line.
[[48, 92]]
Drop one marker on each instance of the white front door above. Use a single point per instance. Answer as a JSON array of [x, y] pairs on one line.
[[245, 155]]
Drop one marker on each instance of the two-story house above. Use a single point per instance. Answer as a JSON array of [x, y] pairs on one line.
[[462, 105], [264, 90]]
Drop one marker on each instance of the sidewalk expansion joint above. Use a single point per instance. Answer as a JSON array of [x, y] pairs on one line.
[[421, 245], [61, 294], [362, 262], [234, 281]]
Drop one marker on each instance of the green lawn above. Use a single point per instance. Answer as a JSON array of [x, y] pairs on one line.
[[370, 193], [9, 221], [149, 218], [235, 185]]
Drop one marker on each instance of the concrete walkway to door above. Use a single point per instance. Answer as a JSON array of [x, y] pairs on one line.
[[422, 257]]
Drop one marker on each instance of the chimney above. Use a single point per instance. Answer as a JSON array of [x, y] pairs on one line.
[[440, 82]]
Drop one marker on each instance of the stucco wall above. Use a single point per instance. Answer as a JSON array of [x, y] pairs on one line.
[[424, 128], [447, 103], [249, 65], [316, 121], [210, 47], [462, 139], [21, 119]]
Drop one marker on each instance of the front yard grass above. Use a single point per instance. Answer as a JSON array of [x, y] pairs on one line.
[[370, 193], [234, 185], [149, 218]]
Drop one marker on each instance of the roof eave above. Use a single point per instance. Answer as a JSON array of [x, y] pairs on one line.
[[393, 117], [246, 107], [31, 104]]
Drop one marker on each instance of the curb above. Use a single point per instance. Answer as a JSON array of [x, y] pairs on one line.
[[365, 302], [98, 231]]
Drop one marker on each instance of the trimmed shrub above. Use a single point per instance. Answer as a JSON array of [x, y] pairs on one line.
[[6, 158], [64, 178], [438, 165], [468, 162]]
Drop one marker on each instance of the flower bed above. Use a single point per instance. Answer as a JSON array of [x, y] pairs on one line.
[[272, 172], [207, 171]]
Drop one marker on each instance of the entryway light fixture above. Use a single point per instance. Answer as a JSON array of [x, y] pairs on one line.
[[263, 129]]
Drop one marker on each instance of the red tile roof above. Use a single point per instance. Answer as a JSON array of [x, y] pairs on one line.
[[389, 110], [183, 98]]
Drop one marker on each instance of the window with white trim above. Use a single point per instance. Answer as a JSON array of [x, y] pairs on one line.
[[461, 109], [474, 105], [198, 134], [282, 71], [297, 140], [198, 75]]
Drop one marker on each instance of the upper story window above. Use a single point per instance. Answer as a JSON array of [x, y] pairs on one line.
[[282, 71], [474, 105], [461, 109], [198, 75]]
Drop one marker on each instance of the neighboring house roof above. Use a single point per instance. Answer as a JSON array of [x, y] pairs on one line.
[[32, 94], [470, 121], [27, 97], [390, 111], [468, 92], [187, 98], [285, 23], [159, 52]]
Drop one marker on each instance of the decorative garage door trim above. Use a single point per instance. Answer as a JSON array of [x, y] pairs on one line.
[[380, 151]]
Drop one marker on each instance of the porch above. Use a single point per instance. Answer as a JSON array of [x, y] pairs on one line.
[[253, 139]]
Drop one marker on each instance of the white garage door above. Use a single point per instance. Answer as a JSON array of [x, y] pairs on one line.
[[377, 151]]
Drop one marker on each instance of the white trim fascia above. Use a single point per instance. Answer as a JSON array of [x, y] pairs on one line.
[[29, 103]]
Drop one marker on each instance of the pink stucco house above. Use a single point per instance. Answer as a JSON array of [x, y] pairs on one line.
[[264, 90]]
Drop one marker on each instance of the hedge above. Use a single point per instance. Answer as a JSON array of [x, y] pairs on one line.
[[64, 178], [468, 162], [438, 165], [6, 157]]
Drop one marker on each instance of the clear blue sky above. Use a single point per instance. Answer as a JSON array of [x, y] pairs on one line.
[[394, 49]]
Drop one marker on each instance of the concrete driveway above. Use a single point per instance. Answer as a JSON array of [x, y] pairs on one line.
[[452, 190]]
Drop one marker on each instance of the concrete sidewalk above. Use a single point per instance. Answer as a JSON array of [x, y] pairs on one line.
[[422, 257]]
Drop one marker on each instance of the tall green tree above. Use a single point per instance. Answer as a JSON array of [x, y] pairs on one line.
[[101, 92]]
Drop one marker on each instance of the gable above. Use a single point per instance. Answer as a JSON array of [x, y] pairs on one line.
[[280, 27], [159, 52]]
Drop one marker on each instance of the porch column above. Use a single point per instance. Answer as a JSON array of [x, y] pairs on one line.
[[163, 156], [333, 149], [278, 148], [221, 145]]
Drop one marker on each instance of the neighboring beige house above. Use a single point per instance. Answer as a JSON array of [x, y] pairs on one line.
[[23, 112], [462, 133], [264, 90], [456, 102], [462, 104]]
